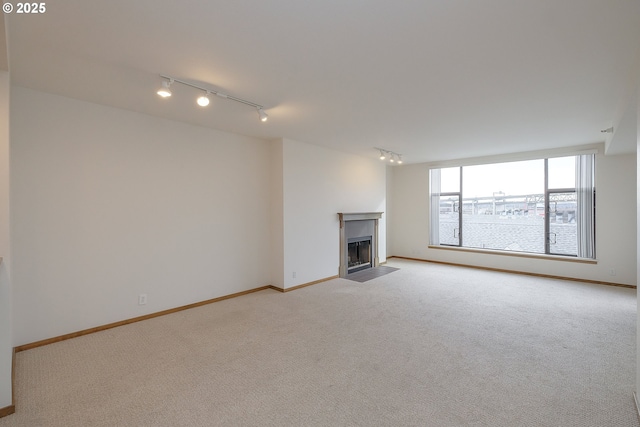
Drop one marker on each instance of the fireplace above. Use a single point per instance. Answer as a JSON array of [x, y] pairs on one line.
[[358, 241], [359, 254]]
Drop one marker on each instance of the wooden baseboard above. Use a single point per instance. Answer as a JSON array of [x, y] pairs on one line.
[[13, 378], [133, 320], [7, 410], [501, 270], [11, 409], [157, 314], [304, 285]]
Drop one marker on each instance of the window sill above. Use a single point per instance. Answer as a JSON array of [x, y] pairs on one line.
[[517, 254]]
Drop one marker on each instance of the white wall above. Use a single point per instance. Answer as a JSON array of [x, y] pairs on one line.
[[108, 204], [277, 215], [5, 283], [408, 197], [615, 220], [318, 183], [615, 225], [638, 233], [389, 208]]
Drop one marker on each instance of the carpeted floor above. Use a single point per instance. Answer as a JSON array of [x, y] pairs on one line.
[[429, 345]]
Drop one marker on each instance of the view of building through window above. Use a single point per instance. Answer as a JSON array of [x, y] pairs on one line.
[[526, 206]]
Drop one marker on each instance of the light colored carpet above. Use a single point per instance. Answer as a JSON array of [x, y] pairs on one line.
[[429, 345]]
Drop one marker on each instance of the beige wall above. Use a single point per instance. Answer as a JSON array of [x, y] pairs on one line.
[[637, 107], [317, 184], [5, 282], [615, 225], [109, 204], [277, 214]]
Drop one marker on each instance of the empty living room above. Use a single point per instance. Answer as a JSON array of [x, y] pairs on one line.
[[319, 214]]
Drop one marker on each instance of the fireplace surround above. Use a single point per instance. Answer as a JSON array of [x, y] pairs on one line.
[[358, 241]]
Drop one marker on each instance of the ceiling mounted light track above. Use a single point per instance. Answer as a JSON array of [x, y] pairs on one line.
[[204, 100], [393, 156]]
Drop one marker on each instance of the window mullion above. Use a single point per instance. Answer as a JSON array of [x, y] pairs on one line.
[[460, 209], [547, 209]]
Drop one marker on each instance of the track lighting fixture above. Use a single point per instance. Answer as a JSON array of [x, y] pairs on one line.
[[164, 90], [203, 100], [393, 157]]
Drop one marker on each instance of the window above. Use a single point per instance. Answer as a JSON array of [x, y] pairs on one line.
[[542, 206]]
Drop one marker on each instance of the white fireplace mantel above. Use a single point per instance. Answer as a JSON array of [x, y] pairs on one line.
[[357, 216]]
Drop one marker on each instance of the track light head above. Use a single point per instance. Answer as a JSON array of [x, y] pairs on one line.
[[382, 156], [391, 159], [164, 90], [203, 100], [399, 159], [263, 115]]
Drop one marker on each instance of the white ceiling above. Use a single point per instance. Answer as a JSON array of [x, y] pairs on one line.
[[432, 80]]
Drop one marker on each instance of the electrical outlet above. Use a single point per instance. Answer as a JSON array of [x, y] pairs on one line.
[[293, 275], [142, 299], [612, 272]]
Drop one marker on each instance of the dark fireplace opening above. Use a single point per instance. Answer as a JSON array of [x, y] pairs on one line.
[[358, 253]]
